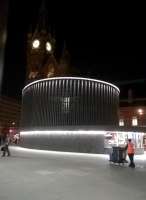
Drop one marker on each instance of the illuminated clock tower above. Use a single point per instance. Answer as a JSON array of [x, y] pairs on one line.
[[41, 62]]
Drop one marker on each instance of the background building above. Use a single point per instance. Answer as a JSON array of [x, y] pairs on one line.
[[132, 112], [133, 104], [41, 59], [9, 111]]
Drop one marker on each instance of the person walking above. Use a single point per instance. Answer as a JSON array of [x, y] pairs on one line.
[[5, 147], [131, 151]]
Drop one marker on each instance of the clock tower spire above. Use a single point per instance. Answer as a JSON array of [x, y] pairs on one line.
[[40, 48]]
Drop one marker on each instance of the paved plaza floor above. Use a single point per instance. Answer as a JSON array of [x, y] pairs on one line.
[[62, 176]]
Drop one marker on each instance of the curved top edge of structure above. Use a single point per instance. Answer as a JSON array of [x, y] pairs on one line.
[[73, 78]]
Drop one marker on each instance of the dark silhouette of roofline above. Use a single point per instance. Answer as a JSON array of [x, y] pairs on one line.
[[128, 82]]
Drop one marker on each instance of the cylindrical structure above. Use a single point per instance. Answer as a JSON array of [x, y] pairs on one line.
[[69, 101], [65, 113]]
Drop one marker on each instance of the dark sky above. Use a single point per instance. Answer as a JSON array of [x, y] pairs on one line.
[[104, 42]]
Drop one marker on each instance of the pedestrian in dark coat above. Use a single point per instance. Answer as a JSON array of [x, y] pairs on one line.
[[5, 147]]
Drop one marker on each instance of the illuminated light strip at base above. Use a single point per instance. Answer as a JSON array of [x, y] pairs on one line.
[[60, 153], [79, 132], [47, 152], [69, 132]]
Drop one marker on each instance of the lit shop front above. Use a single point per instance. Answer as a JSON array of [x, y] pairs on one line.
[[117, 138]]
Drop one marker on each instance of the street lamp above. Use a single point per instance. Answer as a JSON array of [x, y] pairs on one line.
[[140, 111]]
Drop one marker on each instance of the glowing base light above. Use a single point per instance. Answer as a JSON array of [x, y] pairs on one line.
[[62, 132], [75, 132], [71, 154], [48, 152], [80, 141]]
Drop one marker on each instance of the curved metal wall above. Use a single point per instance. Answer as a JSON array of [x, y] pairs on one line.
[[69, 101]]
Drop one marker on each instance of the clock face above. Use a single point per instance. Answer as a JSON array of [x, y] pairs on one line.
[[36, 44], [48, 46]]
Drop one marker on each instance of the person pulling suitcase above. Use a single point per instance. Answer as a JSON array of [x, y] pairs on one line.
[[131, 151]]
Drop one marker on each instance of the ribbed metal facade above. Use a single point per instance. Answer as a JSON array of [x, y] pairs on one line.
[[69, 101]]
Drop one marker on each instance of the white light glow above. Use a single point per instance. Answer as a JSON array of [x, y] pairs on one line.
[[121, 122], [48, 46], [65, 132], [58, 152], [140, 111], [10, 130], [32, 74], [120, 137], [36, 44], [66, 104], [134, 121], [70, 132], [72, 78]]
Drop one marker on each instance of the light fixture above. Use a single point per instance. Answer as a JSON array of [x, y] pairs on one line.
[[121, 122], [48, 46], [140, 111], [64, 132], [72, 78], [134, 121], [36, 44], [49, 152], [10, 131]]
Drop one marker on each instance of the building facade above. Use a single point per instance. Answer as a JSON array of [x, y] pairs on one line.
[[132, 116], [10, 111], [132, 110]]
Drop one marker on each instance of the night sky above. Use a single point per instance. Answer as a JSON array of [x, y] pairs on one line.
[[104, 43]]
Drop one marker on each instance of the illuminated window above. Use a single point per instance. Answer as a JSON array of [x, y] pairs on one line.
[[66, 104], [134, 121], [121, 122]]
